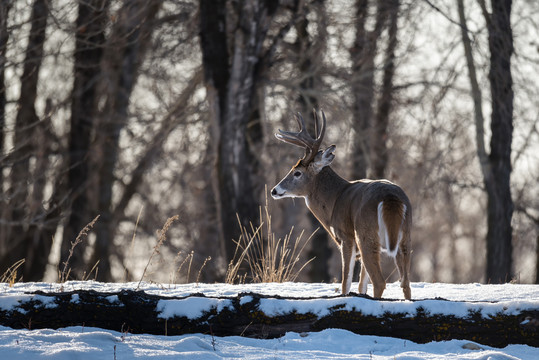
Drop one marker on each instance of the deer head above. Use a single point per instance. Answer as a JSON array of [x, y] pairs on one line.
[[297, 182]]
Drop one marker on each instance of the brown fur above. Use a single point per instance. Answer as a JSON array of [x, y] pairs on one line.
[[393, 214], [348, 211]]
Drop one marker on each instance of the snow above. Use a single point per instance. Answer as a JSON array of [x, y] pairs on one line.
[[274, 307], [191, 308], [94, 343]]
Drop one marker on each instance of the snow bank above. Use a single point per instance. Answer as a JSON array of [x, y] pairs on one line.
[[93, 343], [191, 308], [97, 344], [485, 300]]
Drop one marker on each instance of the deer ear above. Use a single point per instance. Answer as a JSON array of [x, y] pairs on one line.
[[323, 158]]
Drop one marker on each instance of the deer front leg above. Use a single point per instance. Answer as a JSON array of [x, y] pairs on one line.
[[348, 256]]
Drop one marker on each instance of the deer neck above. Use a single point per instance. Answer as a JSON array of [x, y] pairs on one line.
[[327, 187]]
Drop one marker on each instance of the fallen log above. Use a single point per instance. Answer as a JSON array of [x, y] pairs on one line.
[[255, 315]]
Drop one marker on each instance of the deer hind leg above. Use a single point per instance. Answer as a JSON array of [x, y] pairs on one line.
[[363, 279], [348, 255], [402, 260], [370, 258]]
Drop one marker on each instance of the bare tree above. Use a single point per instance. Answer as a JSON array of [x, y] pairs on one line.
[[309, 54], [497, 180], [24, 230], [139, 107], [234, 56], [90, 40], [379, 152], [59, 172], [5, 6], [124, 51], [372, 108], [362, 84], [496, 166]]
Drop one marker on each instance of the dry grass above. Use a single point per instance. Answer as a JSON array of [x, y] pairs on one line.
[[64, 275], [186, 265], [162, 236], [269, 259], [259, 254], [132, 246], [185, 262], [10, 275]]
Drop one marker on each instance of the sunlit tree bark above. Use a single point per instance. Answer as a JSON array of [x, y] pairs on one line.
[[232, 42]]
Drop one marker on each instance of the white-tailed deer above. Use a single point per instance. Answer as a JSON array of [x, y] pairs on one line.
[[363, 217]]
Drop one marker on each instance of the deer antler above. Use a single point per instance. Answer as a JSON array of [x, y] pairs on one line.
[[303, 139]]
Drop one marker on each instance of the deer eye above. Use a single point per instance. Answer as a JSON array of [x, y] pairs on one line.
[[297, 174]]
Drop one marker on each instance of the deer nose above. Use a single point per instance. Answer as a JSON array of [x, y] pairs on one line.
[[273, 192]]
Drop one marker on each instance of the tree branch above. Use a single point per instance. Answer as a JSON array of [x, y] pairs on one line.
[[155, 146], [476, 95]]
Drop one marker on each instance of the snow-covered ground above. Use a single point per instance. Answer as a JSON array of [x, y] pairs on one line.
[[93, 343]]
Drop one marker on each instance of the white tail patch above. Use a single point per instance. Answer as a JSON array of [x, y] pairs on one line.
[[382, 230]]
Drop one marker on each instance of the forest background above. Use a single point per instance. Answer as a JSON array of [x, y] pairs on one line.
[[139, 110]]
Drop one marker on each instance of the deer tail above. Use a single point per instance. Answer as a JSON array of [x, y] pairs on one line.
[[391, 215]]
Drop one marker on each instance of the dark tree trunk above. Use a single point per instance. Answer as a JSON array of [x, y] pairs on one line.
[[215, 59], [362, 54], [5, 6], [41, 231], [90, 38], [537, 259], [231, 55], [379, 148], [362, 85], [20, 236], [500, 203], [123, 55], [310, 53], [496, 166], [215, 56]]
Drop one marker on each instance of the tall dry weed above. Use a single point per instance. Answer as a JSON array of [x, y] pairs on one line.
[[162, 236], [64, 274], [10, 275], [268, 258]]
